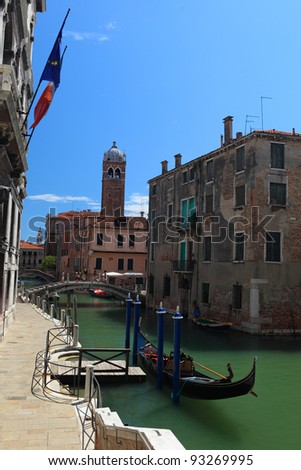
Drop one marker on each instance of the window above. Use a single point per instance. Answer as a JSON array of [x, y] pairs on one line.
[[99, 239], [239, 246], [240, 196], [209, 170], [98, 263], [278, 194], [191, 174], [209, 203], [120, 240], [205, 292], [120, 264], [237, 296], [273, 247], [184, 213], [166, 286], [184, 177], [169, 211], [132, 240], [240, 159], [277, 155], [154, 189], [130, 264], [207, 248]]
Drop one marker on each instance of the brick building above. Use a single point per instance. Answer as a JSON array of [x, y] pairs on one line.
[[31, 256], [92, 244], [224, 232]]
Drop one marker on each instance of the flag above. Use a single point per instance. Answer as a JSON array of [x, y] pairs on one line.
[[52, 70], [43, 104], [51, 73]]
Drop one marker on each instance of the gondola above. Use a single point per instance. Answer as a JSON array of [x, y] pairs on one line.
[[193, 383], [213, 325]]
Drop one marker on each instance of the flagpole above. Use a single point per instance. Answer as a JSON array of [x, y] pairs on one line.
[[30, 136], [40, 81], [63, 55]]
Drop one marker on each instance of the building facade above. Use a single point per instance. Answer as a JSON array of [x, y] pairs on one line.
[[31, 256], [17, 21], [101, 245], [224, 233]]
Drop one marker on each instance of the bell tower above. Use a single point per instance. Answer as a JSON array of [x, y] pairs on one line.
[[113, 182]]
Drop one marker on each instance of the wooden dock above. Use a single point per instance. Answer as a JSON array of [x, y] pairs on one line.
[[67, 371]]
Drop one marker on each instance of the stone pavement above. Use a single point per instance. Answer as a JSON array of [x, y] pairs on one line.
[[27, 422]]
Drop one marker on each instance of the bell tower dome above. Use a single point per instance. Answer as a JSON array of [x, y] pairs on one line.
[[113, 182]]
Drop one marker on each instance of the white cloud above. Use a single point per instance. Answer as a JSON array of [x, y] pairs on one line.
[[78, 36], [111, 25], [55, 198], [136, 203]]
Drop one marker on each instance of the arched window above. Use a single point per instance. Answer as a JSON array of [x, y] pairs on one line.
[[110, 173], [117, 173]]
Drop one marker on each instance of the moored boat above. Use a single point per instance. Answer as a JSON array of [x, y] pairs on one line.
[[213, 324], [194, 383], [101, 294]]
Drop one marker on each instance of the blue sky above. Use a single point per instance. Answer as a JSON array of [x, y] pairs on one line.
[[158, 77]]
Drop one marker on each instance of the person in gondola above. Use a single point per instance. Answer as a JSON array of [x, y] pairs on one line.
[[197, 313]]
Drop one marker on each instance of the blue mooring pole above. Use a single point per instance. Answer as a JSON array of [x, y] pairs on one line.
[[129, 301], [177, 356], [161, 312], [137, 304]]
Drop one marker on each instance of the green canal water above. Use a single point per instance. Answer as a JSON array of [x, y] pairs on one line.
[[270, 421]]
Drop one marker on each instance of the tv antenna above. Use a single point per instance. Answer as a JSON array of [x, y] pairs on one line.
[[263, 98], [248, 120]]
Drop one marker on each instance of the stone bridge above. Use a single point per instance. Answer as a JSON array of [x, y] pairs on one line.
[[118, 292]]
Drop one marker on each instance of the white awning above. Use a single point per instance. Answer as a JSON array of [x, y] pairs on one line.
[[133, 274]]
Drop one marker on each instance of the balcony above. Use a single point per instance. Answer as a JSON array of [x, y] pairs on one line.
[[183, 266], [12, 142]]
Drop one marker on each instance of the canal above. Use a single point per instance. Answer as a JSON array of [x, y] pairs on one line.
[[270, 421]]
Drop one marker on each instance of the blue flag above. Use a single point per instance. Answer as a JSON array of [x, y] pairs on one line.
[[52, 70]]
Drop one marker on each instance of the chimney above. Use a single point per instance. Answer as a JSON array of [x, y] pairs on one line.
[[228, 129], [178, 158], [164, 166], [238, 135]]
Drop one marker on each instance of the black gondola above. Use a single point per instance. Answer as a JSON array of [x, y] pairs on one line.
[[193, 383]]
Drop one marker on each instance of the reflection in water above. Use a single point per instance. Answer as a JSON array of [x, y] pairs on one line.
[[271, 421]]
